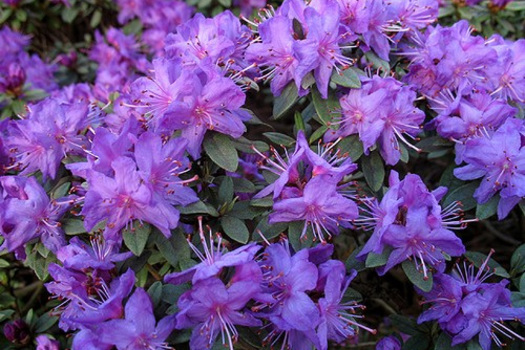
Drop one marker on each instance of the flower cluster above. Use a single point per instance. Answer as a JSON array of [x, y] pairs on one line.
[[121, 134], [296, 191], [297, 298], [381, 112], [465, 305], [409, 223], [20, 71]]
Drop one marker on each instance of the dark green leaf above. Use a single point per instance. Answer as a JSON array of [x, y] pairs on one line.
[[155, 292], [417, 342], [198, 208], [376, 260], [221, 150], [136, 237], [267, 230], [235, 229], [262, 202], [463, 194], [517, 261], [485, 211], [377, 62], [347, 78], [317, 134], [285, 101], [326, 109], [280, 139], [417, 277], [444, 343], [406, 325], [44, 322], [295, 230], [226, 190], [243, 185], [299, 122], [351, 146], [478, 258], [173, 249], [374, 170]]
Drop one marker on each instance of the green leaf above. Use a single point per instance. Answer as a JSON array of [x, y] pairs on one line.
[[522, 283], [198, 208], [285, 101], [222, 152], [377, 62], [463, 194], [95, 19], [136, 237], [417, 342], [417, 277], [280, 139], [243, 185], [485, 211], [294, 235], [44, 322], [478, 258], [173, 249], [3, 263], [347, 78], [376, 260], [406, 325], [262, 202], [69, 14], [299, 122], [226, 190], [133, 27], [374, 170], [155, 292], [73, 227], [225, 3], [444, 343], [235, 229], [267, 230], [516, 6], [317, 134], [351, 146], [517, 261], [5, 314], [326, 109]]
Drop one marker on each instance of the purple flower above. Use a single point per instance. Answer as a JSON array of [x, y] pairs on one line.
[[26, 212], [213, 260], [217, 39], [45, 343], [296, 191], [388, 343], [50, 132], [507, 75], [100, 254], [320, 206], [338, 318], [137, 330], [160, 165], [211, 308], [276, 53], [382, 112], [410, 221], [320, 50], [486, 313], [287, 278], [500, 160], [88, 299], [123, 198]]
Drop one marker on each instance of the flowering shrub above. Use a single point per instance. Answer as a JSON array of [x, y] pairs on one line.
[[243, 175]]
